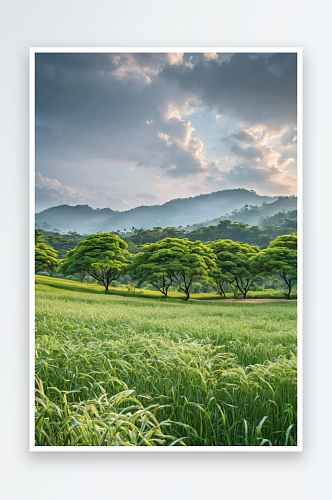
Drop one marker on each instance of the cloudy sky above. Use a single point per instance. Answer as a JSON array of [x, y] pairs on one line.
[[124, 130]]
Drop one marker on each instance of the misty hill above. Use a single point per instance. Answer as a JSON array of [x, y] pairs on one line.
[[178, 212], [255, 215]]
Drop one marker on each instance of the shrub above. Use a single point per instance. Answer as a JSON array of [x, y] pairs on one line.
[[196, 287]]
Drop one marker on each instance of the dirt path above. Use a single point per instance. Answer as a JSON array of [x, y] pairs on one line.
[[249, 301]]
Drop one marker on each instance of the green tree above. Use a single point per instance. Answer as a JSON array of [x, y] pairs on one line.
[[279, 261], [233, 265], [187, 260], [103, 256], [285, 241], [45, 256], [152, 264], [62, 243], [196, 287]]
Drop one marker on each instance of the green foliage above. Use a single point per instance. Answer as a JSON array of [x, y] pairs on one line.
[[153, 265], [213, 374], [62, 243], [285, 241], [132, 248], [120, 420], [45, 256], [233, 265], [238, 231], [172, 260], [276, 225], [280, 259], [144, 236], [268, 214], [102, 256], [225, 229], [196, 287], [281, 219], [186, 260]]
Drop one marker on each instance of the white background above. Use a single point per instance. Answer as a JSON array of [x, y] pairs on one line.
[[157, 23]]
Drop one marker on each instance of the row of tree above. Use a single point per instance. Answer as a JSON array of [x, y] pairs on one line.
[[176, 261]]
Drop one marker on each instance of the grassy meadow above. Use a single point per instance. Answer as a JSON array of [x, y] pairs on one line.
[[76, 286], [130, 369]]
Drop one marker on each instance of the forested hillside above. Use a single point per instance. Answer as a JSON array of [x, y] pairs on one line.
[[178, 212], [277, 225], [254, 214]]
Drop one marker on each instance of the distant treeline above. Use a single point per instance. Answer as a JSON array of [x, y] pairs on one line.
[[272, 227]]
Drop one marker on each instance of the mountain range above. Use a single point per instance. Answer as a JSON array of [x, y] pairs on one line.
[[178, 212], [254, 215]]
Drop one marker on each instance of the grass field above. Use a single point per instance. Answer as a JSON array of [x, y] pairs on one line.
[[131, 371], [76, 286]]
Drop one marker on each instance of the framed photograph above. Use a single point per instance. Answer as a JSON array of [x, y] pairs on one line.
[[166, 249]]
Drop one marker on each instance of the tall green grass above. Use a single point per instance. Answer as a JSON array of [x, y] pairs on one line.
[[76, 286], [134, 371]]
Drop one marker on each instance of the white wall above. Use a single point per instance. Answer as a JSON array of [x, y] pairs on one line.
[[156, 23]]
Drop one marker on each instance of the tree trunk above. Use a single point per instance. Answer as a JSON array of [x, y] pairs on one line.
[[289, 284], [106, 288], [165, 288], [289, 292]]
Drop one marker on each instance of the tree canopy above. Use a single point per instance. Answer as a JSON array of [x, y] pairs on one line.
[[153, 264], [280, 259], [103, 256], [233, 265], [62, 243], [45, 256], [281, 219], [188, 260], [285, 241], [178, 260], [225, 229]]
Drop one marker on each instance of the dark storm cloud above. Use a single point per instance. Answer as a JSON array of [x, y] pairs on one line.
[[255, 87]]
